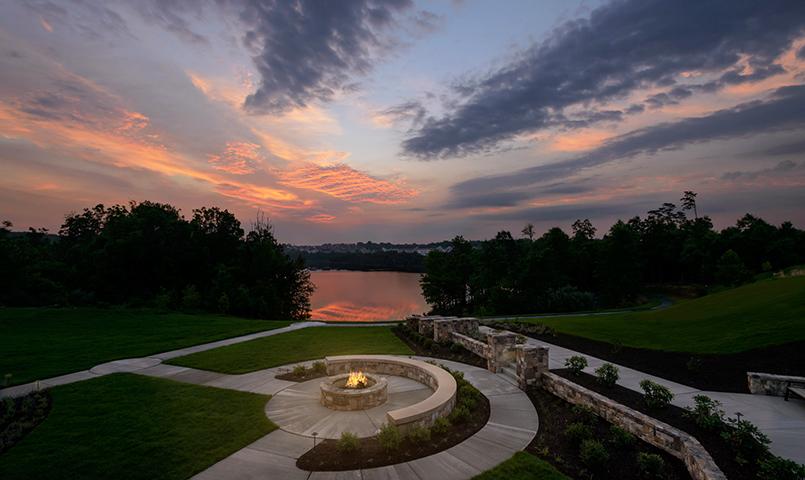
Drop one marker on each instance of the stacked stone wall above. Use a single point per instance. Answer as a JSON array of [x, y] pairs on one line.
[[699, 463], [770, 384]]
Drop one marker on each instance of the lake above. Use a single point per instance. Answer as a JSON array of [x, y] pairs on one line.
[[348, 296]]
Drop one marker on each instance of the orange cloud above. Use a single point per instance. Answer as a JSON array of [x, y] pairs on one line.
[[45, 25], [579, 141], [345, 183], [239, 158], [321, 218]]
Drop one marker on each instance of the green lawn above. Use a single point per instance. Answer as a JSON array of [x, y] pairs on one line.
[[522, 466], [768, 312], [296, 346], [37, 343], [127, 426]]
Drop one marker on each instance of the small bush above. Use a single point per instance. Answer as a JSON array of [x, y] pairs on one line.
[[468, 402], [441, 426], [620, 438], [299, 371], [607, 375], [460, 414], [428, 344], [706, 412], [576, 364], [650, 465], [694, 364], [578, 432], [419, 434], [389, 437], [781, 469], [348, 442], [319, 368], [656, 396], [456, 348], [468, 391], [585, 414], [593, 455], [748, 443]]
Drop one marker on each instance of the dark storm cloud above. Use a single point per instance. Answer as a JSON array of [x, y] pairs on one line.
[[782, 167], [624, 46], [493, 199], [785, 109], [787, 149], [308, 50]]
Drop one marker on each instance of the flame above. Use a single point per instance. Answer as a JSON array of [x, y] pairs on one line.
[[356, 380]]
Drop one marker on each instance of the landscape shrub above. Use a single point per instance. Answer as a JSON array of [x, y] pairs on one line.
[[650, 465], [465, 390], [348, 442], [191, 299], [468, 402], [781, 469], [620, 438], [607, 375], [585, 414], [694, 364], [576, 364], [656, 396], [428, 344], [319, 368], [578, 432], [419, 434], [389, 437], [748, 443], [593, 455], [299, 371], [706, 412], [460, 414], [456, 348], [441, 426], [223, 303]]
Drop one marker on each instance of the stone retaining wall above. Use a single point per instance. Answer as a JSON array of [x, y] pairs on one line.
[[699, 463], [424, 413], [770, 384], [475, 346]]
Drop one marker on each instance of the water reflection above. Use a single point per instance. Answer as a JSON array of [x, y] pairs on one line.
[[343, 296]]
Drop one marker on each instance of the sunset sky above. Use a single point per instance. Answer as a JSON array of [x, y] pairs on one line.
[[403, 120]]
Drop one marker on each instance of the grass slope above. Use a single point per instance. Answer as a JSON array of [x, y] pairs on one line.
[[127, 426], [769, 312], [38, 343], [522, 466], [296, 346]]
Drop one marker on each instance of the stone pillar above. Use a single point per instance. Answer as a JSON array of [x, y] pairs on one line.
[[467, 325], [531, 363], [442, 329], [500, 348], [412, 322], [426, 326]]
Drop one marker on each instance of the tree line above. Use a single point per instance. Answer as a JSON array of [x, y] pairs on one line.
[[147, 254], [560, 272]]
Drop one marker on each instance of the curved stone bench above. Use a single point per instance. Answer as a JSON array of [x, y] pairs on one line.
[[424, 413]]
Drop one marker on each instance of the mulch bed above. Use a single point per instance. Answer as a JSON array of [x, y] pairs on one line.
[[20, 415], [369, 454], [725, 373], [292, 377], [553, 446], [722, 453], [437, 350]]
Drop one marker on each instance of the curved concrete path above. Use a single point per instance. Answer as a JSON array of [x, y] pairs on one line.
[[512, 425]]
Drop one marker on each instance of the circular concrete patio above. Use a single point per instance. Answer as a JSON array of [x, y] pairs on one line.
[[296, 409]]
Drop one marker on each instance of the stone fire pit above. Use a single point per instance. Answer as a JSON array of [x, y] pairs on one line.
[[338, 393]]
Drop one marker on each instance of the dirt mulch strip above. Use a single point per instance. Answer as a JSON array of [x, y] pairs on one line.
[[552, 445], [291, 377], [327, 457], [725, 373], [442, 352], [722, 453]]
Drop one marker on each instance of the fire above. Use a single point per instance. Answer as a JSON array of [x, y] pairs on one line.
[[356, 380]]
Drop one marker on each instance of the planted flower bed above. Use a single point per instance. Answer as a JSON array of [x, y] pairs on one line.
[[390, 446], [426, 347]]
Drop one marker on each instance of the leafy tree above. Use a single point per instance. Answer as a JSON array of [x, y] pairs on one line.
[[731, 270]]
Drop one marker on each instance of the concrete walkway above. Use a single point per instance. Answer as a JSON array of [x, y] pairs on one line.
[[512, 425], [783, 422]]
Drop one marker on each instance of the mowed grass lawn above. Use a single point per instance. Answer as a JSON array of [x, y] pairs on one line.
[[37, 343], [523, 466], [769, 312], [296, 346], [127, 426]]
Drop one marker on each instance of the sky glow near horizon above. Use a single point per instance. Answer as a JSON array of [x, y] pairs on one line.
[[403, 120]]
